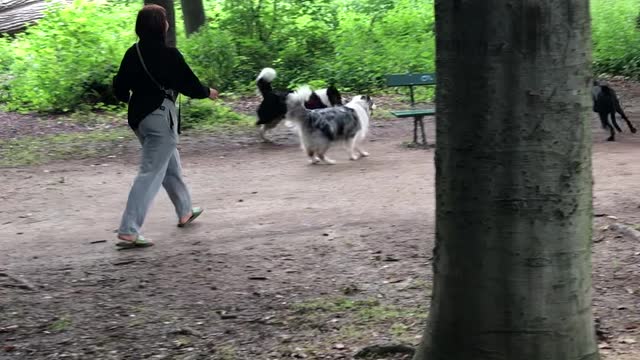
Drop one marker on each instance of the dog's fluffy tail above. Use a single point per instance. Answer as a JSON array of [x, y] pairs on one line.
[[264, 79], [295, 102]]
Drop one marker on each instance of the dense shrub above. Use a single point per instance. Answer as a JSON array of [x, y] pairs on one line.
[[6, 54], [6, 59], [202, 114], [616, 36], [212, 55], [367, 47], [68, 59]]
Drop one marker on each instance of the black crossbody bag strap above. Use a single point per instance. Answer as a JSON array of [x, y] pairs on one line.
[[144, 66]]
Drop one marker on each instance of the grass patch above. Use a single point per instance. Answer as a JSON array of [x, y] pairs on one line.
[[42, 149], [366, 310], [61, 324], [359, 319], [398, 99], [384, 114], [334, 305], [226, 352], [207, 115], [199, 116]]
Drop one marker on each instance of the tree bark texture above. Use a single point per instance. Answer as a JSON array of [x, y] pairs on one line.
[[512, 260], [171, 15], [193, 14], [15, 15]]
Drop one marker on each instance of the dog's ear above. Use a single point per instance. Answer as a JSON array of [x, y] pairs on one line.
[[335, 98], [372, 105]]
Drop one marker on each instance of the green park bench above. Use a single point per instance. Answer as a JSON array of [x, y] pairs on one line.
[[417, 114]]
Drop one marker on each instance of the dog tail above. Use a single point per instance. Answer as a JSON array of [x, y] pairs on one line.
[[264, 80], [296, 100]]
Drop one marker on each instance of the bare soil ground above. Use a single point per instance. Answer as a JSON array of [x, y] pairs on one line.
[[288, 260]]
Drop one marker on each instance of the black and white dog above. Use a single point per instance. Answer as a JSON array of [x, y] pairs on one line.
[[606, 103], [273, 108], [320, 128]]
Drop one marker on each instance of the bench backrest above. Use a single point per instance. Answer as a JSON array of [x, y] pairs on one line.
[[411, 80]]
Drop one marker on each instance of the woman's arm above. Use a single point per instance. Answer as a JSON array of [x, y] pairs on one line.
[[122, 80], [185, 81]]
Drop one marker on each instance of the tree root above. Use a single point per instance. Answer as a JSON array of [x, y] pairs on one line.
[[18, 282], [625, 230]]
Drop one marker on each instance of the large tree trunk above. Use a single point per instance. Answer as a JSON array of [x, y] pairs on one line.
[[512, 260], [16, 14], [171, 14], [193, 14]]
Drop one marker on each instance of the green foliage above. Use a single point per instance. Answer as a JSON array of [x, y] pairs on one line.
[[69, 57], [252, 56], [6, 54], [6, 59], [398, 40], [212, 55], [616, 36]]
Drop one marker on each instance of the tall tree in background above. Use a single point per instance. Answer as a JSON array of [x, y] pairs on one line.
[[171, 15], [193, 14], [512, 260]]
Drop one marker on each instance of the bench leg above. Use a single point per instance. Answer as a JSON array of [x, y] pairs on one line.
[[415, 130], [424, 136]]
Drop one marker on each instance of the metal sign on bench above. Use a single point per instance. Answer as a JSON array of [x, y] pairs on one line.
[[412, 80]]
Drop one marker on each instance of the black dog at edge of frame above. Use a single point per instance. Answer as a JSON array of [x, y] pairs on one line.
[[605, 104]]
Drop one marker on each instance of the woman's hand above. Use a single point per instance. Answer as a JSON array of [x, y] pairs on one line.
[[213, 93]]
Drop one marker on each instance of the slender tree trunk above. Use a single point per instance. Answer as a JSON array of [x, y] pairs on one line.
[[512, 261], [193, 14], [171, 14], [258, 21]]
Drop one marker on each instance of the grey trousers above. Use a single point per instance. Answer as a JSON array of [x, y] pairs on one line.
[[158, 134]]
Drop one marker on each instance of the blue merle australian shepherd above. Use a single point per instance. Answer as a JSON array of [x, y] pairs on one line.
[[319, 129], [273, 108]]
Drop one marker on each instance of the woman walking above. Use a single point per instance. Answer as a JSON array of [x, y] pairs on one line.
[[150, 76]]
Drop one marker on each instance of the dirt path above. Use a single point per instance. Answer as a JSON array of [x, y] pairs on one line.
[[281, 249]]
